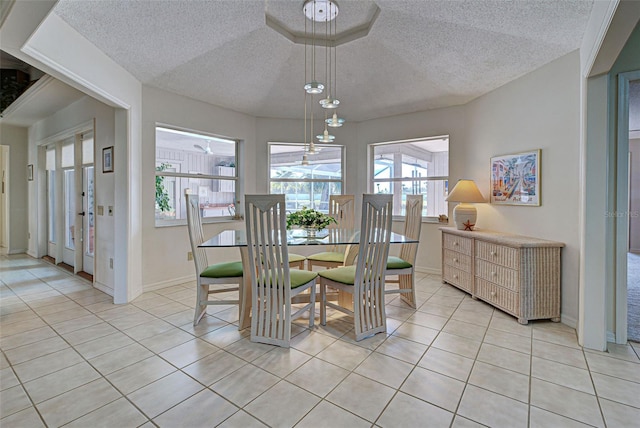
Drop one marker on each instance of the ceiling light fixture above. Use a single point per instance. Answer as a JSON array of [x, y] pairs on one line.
[[318, 11], [330, 10], [334, 121]]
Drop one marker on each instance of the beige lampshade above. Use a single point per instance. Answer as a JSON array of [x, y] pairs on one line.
[[465, 191], [464, 214]]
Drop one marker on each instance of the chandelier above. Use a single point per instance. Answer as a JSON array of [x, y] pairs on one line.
[[323, 12]]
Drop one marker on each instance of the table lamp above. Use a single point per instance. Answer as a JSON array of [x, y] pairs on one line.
[[465, 214]]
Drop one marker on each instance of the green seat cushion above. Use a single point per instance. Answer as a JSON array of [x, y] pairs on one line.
[[344, 275], [300, 277], [296, 258], [223, 270], [327, 256], [397, 263]]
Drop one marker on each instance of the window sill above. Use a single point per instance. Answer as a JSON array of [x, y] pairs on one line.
[[183, 222]]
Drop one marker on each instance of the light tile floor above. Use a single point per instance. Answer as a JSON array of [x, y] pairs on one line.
[[70, 357]]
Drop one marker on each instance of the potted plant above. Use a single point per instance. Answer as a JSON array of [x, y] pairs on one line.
[[310, 220]]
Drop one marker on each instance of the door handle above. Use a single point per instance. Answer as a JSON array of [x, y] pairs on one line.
[[82, 213]]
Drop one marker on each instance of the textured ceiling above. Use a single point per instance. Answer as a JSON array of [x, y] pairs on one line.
[[417, 55]]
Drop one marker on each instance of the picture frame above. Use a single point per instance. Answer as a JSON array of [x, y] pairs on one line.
[[107, 159], [30, 172], [515, 179]]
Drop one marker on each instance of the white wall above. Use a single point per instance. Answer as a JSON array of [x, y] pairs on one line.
[[538, 111], [164, 249], [16, 138], [49, 130]]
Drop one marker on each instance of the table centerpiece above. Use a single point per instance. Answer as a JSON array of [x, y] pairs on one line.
[[310, 220]]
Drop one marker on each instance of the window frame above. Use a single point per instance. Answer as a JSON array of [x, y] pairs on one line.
[[341, 181], [371, 181], [199, 176]]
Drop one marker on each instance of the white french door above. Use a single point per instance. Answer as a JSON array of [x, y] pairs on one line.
[[70, 202], [88, 219]]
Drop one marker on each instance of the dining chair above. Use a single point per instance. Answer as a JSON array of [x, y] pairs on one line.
[[297, 260], [273, 282], [401, 269], [365, 279], [219, 274], [342, 208]]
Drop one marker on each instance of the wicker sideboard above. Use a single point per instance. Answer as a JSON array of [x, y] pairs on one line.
[[517, 274]]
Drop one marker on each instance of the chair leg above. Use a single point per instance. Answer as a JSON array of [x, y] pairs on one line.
[[201, 295], [406, 282], [323, 304], [312, 305]]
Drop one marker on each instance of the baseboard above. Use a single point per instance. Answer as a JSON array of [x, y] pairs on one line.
[[104, 288], [611, 337], [570, 321], [19, 251], [430, 271], [168, 283], [634, 250]]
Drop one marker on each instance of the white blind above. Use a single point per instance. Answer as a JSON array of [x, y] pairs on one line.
[[87, 148], [51, 159], [67, 153]]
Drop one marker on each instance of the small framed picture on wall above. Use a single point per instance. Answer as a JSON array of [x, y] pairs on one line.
[[107, 159]]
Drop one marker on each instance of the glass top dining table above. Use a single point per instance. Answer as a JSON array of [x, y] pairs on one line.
[[238, 238], [296, 237]]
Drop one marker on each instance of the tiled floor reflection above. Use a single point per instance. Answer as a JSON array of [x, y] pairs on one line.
[[72, 358]]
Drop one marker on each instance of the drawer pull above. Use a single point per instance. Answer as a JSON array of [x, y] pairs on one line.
[[455, 242], [455, 276], [455, 259], [493, 253], [493, 294], [493, 273]]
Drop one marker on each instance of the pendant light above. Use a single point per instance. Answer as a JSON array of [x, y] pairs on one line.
[[334, 121]]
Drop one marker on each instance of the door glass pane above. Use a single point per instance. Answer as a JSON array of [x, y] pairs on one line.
[[70, 208], [51, 204], [89, 210]]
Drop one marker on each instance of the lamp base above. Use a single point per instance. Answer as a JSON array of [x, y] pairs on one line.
[[464, 216]]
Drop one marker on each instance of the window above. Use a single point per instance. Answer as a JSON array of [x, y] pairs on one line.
[[306, 185], [411, 167], [205, 164]]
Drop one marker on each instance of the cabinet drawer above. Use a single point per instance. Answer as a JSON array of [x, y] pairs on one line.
[[457, 260], [457, 277], [503, 276], [457, 243], [498, 296], [498, 254]]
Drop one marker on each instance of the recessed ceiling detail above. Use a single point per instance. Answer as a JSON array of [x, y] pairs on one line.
[[246, 55], [350, 28]]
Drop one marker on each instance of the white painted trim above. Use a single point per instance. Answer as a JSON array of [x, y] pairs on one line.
[[104, 288], [429, 271], [611, 337], [169, 283], [599, 21], [622, 204], [568, 320], [67, 133], [85, 84]]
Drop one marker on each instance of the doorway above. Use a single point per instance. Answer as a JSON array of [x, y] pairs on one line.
[[633, 255], [626, 311], [70, 203]]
